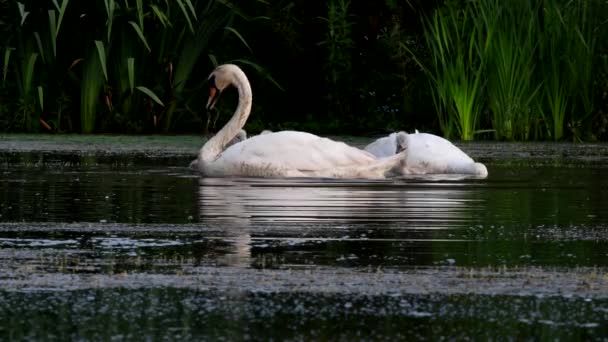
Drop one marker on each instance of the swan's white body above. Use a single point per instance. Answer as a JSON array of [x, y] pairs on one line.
[[281, 154], [427, 154]]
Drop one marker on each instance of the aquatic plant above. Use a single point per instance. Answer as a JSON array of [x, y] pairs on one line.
[[568, 39], [456, 70], [127, 60], [530, 64], [337, 66], [507, 32]]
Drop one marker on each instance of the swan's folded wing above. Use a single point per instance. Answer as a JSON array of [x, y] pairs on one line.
[[428, 153], [296, 150], [383, 147]]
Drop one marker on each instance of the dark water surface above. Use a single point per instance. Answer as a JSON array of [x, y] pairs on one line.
[[105, 238]]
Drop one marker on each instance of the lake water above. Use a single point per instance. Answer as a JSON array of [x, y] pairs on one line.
[[110, 237]]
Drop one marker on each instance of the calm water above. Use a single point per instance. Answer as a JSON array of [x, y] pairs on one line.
[[114, 239]]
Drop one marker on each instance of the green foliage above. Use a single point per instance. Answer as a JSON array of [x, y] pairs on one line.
[[456, 70], [92, 83], [512, 70], [339, 46], [89, 58], [508, 34], [531, 66]]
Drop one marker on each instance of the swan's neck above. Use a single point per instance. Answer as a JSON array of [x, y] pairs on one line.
[[218, 142]]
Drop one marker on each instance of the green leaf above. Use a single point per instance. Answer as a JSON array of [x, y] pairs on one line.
[[150, 94], [101, 51], [91, 85], [22, 12], [41, 98], [260, 70], [39, 43], [53, 24], [181, 5], [61, 10], [7, 56], [29, 71], [189, 3], [110, 6], [236, 33], [213, 60], [131, 72], [161, 16], [140, 34], [140, 14]]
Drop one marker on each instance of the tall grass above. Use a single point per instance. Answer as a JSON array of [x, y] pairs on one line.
[[567, 47], [92, 82], [338, 44], [507, 31], [127, 61], [530, 65], [456, 70]]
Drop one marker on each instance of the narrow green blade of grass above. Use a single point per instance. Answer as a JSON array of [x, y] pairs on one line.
[[91, 85], [7, 58], [140, 14], [61, 10], [213, 60], [260, 70], [53, 26], [181, 5], [22, 12], [189, 3], [110, 6], [29, 72], [161, 16], [39, 44], [131, 72], [140, 34], [151, 94], [101, 52], [238, 35], [41, 97]]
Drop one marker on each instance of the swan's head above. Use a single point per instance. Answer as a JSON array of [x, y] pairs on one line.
[[221, 78], [241, 135], [401, 141]]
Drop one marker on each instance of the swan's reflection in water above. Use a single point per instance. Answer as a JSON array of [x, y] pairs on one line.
[[247, 210]]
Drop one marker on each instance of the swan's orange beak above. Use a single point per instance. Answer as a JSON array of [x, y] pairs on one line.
[[214, 93]]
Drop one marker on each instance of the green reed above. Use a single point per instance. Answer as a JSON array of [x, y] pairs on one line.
[[529, 66], [456, 70], [567, 46], [508, 32], [339, 45], [134, 57]]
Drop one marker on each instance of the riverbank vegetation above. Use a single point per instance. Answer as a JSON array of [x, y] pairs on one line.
[[486, 69]]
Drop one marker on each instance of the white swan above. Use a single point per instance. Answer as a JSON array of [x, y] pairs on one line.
[[280, 154], [427, 154]]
